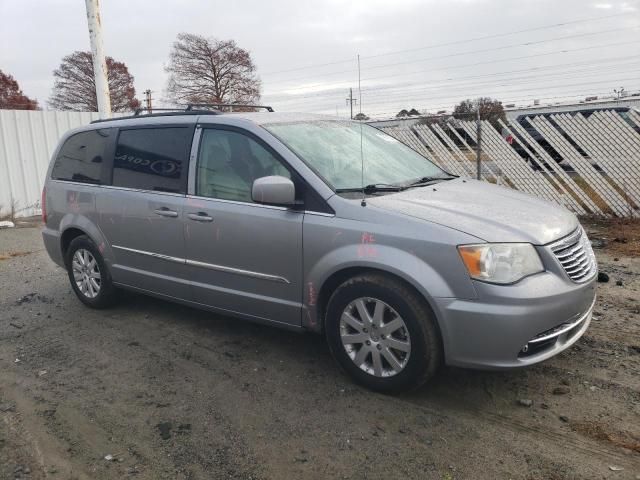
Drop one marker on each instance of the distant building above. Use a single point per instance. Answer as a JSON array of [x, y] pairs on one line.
[[589, 103], [397, 122]]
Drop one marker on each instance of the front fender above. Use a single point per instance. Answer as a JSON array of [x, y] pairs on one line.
[[400, 263]]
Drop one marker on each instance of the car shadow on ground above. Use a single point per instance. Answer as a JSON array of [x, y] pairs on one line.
[[450, 384]]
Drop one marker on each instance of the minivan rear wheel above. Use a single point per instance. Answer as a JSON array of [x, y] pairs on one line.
[[88, 273], [382, 333]]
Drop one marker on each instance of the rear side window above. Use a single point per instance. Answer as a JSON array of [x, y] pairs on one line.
[[81, 157], [152, 159]]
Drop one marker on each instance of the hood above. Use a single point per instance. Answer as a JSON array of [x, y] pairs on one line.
[[484, 210]]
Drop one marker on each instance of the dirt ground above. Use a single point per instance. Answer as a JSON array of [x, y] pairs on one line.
[[153, 390]]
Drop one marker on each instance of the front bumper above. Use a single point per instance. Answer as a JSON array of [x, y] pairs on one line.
[[516, 325]]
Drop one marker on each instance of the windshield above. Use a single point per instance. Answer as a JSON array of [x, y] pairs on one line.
[[332, 148]]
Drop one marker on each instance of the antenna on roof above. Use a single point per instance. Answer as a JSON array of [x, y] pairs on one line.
[[364, 197]]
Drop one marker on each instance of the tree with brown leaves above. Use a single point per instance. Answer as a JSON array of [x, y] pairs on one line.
[[207, 70], [75, 86], [490, 109], [11, 97]]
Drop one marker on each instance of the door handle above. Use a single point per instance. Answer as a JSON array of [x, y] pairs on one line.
[[165, 212], [200, 217]]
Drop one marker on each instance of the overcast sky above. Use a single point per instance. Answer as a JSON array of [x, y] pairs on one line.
[[422, 54]]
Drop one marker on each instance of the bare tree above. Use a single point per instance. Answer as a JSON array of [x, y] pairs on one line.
[[75, 87], [207, 70], [490, 109], [11, 97]]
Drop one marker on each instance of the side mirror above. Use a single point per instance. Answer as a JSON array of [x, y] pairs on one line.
[[273, 190]]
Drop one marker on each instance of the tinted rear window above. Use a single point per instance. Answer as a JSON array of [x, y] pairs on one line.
[[152, 159], [81, 157]]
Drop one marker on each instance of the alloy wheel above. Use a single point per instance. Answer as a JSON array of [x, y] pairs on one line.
[[86, 273], [375, 337]]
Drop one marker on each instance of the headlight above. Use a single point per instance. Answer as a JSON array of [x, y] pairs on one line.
[[500, 262]]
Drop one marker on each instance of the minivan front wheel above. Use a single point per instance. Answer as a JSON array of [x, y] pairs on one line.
[[382, 333], [88, 273]]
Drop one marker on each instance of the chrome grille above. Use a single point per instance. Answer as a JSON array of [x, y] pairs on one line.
[[576, 256]]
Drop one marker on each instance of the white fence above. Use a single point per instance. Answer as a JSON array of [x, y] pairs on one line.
[[590, 163], [27, 140]]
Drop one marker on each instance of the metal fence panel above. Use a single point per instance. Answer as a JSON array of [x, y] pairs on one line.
[[543, 157], [602, 151], [595, 181], [590, 164]]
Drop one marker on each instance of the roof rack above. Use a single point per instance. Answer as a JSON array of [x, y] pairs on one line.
[[139, 110], [190, 109], [228, 105], [165, 113]]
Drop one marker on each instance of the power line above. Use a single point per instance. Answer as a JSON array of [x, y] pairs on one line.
[[532, 69], [451, 82], [524, 81], [459, 54], [500, 92], [457, 42], [504, 47], [508, 59], [417, 99], [458, 88], [567, 96], [485, 93], [466, 65], [503, 92]]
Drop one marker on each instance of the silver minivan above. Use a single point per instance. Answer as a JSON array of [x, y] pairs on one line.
[[323, 225]]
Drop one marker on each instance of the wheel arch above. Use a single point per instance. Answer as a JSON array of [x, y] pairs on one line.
[[340, 276], [67, 237], [73, 226], [331, 269], [406, 286]]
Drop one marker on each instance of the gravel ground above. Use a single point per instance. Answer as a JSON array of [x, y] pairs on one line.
[[154, 390]]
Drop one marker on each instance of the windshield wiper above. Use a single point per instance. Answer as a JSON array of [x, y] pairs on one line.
[[372, 188], [421, 182], [389, 187]]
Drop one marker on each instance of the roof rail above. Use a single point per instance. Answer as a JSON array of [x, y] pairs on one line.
[[228, 105], [166, 112], [190, 109], [139, 110]]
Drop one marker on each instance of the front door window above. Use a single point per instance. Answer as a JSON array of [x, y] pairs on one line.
[[228, 164]]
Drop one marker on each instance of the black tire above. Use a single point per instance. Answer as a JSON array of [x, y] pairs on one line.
[[426, 346], [107, 293]]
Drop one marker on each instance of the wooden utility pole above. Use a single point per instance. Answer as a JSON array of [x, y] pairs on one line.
[[147, 100], [351, 101], [99, 63]]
